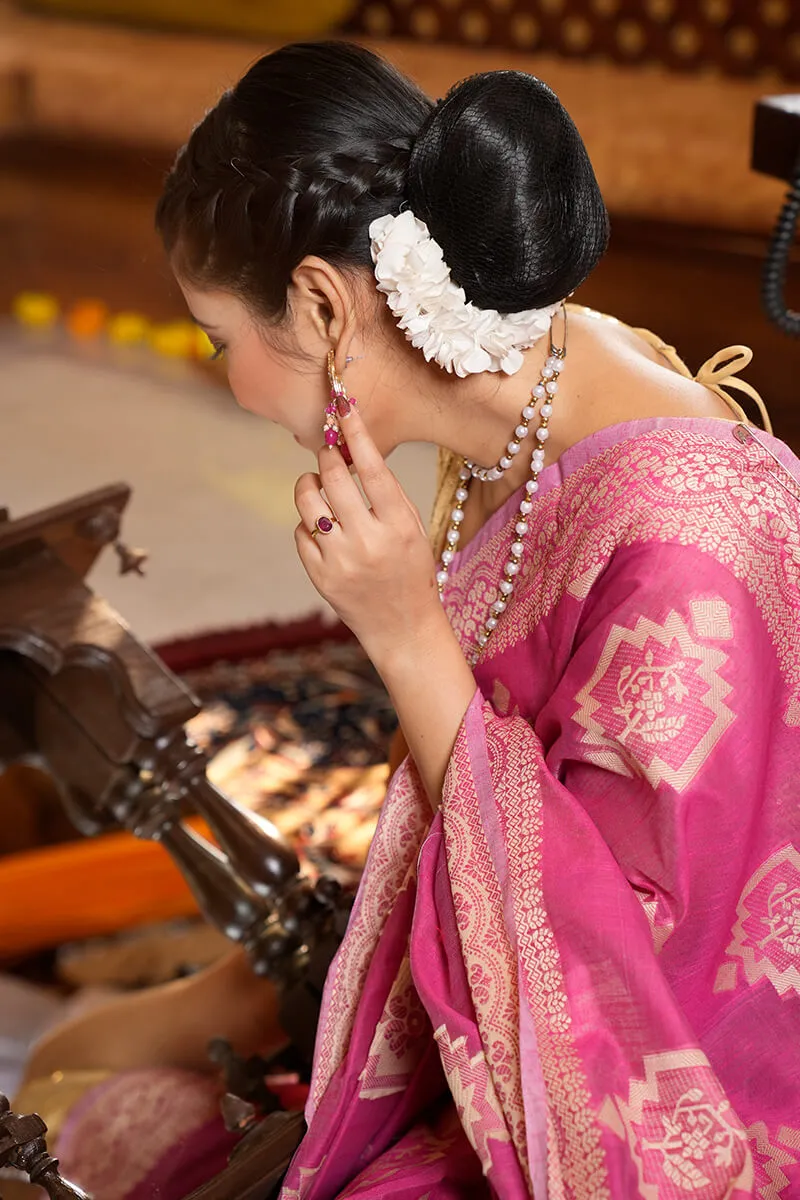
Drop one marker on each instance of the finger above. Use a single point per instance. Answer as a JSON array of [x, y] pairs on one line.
[[307, 550], [415, 513], [310, 502], [379, 483], [341, 490]]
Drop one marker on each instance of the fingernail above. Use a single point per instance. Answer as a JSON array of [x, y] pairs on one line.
[[343, 406]]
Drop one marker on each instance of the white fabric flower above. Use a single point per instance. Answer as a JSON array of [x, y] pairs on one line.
[[435, 315]]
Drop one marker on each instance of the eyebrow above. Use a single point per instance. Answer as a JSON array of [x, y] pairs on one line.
[[203, 324]]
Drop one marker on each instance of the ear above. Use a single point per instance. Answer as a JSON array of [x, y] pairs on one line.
[[324, 307]]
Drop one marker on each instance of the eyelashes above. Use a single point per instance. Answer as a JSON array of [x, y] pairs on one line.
[[218, 353]]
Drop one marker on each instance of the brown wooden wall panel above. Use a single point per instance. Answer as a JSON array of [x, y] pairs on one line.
[[731, 37], [665, 147]]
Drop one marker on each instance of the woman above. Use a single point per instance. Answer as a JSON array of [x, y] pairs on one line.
[[573, 967]]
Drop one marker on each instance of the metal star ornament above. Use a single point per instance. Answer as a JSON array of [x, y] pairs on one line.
[[130, 560]]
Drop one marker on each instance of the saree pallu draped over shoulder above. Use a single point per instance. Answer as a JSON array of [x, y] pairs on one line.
[[580, 978]]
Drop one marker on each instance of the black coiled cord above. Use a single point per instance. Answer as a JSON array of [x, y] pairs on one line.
[[773, 282]]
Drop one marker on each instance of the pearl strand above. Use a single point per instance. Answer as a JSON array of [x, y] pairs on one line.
[[546, 390], [547, 384]]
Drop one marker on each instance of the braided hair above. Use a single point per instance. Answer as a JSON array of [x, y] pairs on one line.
[[319, 139]]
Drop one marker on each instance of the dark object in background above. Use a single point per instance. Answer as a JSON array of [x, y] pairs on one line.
[[22, 1146], [776, 151], [84, 698]]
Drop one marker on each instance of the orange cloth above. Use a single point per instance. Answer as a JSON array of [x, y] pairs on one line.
[[88, 888]]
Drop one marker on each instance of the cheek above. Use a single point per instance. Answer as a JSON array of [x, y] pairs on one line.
[[273, 389], [256, 380]]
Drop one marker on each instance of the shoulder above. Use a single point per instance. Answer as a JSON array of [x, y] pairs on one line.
[[636, 371], [664, 522], [714, 503], [609, 329], [658, 476]]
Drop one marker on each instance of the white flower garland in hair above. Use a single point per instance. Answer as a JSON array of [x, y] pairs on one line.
[[435, 315]]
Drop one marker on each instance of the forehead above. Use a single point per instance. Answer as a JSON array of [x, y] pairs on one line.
[[212, 308]]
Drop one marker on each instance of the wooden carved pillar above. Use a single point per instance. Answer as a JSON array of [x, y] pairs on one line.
[[22, 1147], [83, 697], [81, 694]]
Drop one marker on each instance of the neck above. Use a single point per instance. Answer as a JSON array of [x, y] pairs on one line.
[[475, 418]]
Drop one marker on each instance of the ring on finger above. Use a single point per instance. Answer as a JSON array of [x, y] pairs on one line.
[[324, 525]]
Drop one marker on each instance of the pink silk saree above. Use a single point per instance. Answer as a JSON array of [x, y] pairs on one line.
[[580, 978]]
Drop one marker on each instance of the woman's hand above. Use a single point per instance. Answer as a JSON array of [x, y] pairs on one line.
[[375, 567]]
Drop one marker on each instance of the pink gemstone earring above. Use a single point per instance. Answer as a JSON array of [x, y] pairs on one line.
[[338, 399]]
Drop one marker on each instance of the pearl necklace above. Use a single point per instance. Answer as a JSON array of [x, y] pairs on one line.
[[545, 390]]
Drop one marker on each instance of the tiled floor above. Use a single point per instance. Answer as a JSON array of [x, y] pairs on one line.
[[212, 485]]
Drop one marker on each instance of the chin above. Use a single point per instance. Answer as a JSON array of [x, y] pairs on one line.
[[249, 408], [305, 443]]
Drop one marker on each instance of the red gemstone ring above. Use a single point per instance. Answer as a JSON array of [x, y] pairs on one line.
[[323, 525]]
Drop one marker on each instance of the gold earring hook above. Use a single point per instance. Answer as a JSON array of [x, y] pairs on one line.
[[336, 381]]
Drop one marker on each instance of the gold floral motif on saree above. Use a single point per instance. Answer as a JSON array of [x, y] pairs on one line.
[[711, 618], [689, 489], [655, 705], [662, 926], [475, 1098], [489, 959], [766, 936], [391, 868], [400, 1037], [306, 1179], [576, 1166], [770, 1178], [683, 1136]]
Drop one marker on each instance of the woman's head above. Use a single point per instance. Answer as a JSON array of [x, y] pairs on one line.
[[266, 213]]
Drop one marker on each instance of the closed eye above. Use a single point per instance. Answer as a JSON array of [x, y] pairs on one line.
[[218, 353]]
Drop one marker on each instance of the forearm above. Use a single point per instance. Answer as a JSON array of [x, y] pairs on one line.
[[431, 687]]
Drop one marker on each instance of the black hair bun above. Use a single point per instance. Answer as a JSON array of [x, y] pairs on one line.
[[502, 179]]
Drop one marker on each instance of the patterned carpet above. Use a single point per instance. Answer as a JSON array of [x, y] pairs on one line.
[[301, 736], [299, 733]]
